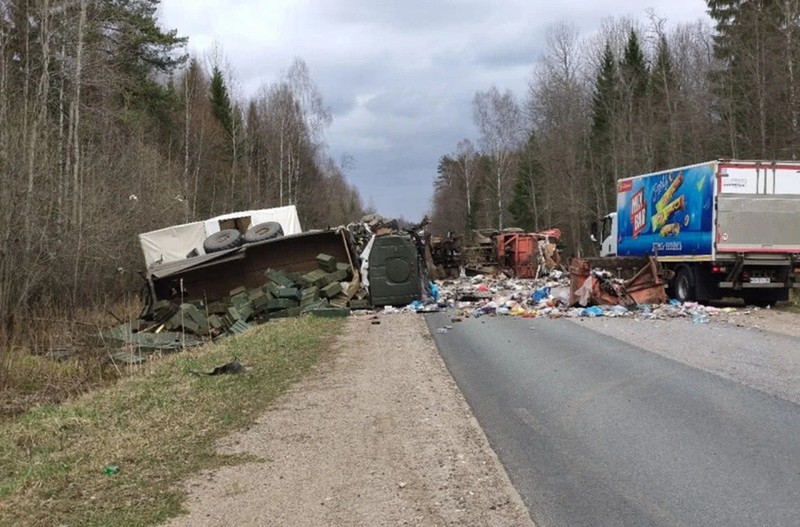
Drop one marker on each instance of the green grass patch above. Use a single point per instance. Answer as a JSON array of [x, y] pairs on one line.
[[158, 427]]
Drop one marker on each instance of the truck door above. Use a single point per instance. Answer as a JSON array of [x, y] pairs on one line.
[[608, 235]]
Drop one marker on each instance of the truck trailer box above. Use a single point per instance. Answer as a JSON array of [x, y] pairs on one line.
[[704, 211], [724, 227]]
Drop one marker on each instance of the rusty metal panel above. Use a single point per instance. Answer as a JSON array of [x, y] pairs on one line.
[[517, 252], [647, 285]]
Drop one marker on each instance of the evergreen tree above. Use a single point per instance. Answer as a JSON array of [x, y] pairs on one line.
[[605, 111], [634, 152], [755, 86], [143, 53], [605, 102], [633, 68], [220, 101], [662, 78], [663, 92], [525, 202]]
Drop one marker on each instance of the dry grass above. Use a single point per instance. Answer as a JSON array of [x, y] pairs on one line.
[[158, 427], [53, 355]]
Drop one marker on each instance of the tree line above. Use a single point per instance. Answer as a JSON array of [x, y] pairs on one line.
[[108, 129], [639, 97]]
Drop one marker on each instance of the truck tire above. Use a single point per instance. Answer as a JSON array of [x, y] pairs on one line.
[[222, 240], [263, 231], [682, 286]]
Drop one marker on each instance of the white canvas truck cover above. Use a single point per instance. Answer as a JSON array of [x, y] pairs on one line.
[[175, 243]]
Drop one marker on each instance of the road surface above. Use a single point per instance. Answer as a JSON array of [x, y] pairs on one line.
[[596, 431]]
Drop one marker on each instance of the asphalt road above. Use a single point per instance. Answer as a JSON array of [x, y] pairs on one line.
[[595, 431]]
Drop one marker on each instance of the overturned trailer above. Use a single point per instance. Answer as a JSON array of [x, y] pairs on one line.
[[511, 251], [212, 261], [211, 277]]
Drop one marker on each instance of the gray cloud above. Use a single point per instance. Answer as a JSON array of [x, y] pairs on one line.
[[399, 77]]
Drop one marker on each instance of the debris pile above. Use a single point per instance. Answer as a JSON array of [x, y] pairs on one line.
[[549, 297], [330, 290], [600, 287], [511, 251]]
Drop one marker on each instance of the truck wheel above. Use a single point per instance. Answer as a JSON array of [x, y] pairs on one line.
[[683, 285], [222, 240], [263, 231]]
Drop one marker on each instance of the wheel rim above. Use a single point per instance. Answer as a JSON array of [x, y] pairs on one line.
[[682, 289]]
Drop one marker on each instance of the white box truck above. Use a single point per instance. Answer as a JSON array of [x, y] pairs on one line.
[[725, 228]]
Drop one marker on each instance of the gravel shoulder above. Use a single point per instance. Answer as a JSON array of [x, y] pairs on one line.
[[379, 435], [760, 349]]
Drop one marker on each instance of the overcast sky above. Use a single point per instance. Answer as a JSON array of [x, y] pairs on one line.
[[397, 75]]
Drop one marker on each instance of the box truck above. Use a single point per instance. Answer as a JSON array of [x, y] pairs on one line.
[[724, 228]]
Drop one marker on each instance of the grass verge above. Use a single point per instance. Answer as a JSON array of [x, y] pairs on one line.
[[54, 354], [158, 428]]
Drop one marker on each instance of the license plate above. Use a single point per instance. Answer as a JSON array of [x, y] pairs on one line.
[[759, 280]]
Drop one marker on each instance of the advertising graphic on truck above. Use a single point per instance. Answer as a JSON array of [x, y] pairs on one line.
[[667, 213]]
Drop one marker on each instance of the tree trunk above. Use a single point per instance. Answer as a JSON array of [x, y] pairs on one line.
[[791, 15], [186, 137], [280, 163], [38, 125], [77, 212]]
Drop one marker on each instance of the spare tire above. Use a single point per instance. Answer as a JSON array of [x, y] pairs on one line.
[[263, 231], [222, 240]]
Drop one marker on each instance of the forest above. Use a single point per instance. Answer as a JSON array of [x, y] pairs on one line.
[[641, 96], [108, 128]]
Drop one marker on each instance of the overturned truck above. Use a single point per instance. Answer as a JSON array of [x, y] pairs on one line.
[[511, 251], [212, 276]]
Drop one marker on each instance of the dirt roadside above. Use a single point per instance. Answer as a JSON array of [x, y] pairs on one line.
[[379, 435], [772, 320]]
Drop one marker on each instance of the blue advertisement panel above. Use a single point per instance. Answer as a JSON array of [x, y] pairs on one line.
[[669, 213]]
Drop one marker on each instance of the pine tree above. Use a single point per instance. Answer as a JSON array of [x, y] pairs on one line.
[[220, 101], [605, 113], [524, 205], [605, 101], [633, 68], [635, 152], [754, 46], [143, 54]]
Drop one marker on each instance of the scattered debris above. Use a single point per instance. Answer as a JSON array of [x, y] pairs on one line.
[[233, 367], [598, 286], [547, 297], [372, 266]]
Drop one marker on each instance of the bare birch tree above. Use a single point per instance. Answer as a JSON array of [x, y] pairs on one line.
[[499, 120]]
